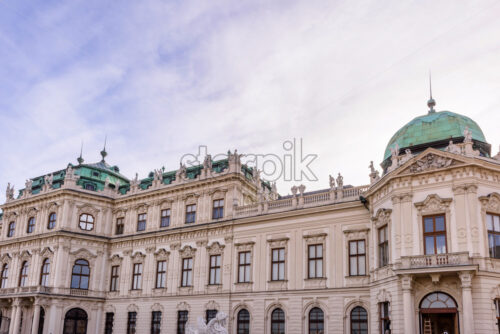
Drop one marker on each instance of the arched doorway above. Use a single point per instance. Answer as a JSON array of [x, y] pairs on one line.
[[75, 321], [438, 314]]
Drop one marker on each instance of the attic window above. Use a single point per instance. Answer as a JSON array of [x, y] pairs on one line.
[[96, 174], [90, 186]]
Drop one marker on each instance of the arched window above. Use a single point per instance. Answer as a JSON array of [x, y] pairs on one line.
[[4, 276], [243, 322], [23, 274], [44, 273], [316, 321], [52, 220], [75, 321], [438, 300], [86, 222], [31, 225], [278, 321], [359, 321], [80, 275], [11, 230]]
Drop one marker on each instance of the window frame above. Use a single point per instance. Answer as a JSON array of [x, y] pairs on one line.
[[156, 322], [214, 269], [383, 246], [316, 260], [161, 274], [45, 272], [358, 321], [23, 274], [119, 225], [316, 322], [384, 316], [51, 221], [165, 216], [11, 229], [114, 278], [243, 325], [80, 274], [246, 266], [435, 233], [137, 276], [209, 315], [187, 272], [497, 312], [109, 322], [278, 264], [218, 209], [182, 319], [357, 256], [494, 233], [280, 321], [4, 276], [86, 223], [142, 221], [190, 213], [132, 323], [30, 226]]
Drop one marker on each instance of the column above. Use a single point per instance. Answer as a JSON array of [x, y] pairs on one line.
[[14, 317], [467, 307], [57, 269], [409, 324], [36, 318], [125, 273]]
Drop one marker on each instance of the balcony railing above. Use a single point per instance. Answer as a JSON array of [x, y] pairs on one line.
[[47, 290], [300, 201], [435, 260]]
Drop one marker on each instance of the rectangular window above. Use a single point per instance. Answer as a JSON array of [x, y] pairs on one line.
[[278, 264], [190, 213], [132, 323], [383, 247], [218, 209], [434, 235], [244, 267], [357, 258], [141, 222], [210, 314], [161, 274], [497, 307], [493, 224], [385, 322], [214, 276], [156, 322], [108, 325], [119, 226], [165, 218], [187, 272], [31, 225], [315, 261], [182, 318], [137, 277], [113, 286]]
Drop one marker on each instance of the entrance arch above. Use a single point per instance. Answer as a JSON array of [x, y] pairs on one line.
[[438, 314], [75, 321]]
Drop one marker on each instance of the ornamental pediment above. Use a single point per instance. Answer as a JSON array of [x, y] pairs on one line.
[[429, 161], [491, 203]]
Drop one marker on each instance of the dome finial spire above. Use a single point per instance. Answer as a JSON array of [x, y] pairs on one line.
[[80, 158], [103, 152], [431, 103]]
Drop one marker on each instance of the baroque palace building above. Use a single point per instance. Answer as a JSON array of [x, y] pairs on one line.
[[87, 250]]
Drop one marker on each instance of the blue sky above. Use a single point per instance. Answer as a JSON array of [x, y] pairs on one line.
[[162, 77]]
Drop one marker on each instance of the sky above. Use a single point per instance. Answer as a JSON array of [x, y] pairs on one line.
[[160, 78]]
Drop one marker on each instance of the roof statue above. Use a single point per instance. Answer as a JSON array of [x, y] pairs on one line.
[[207, 163], [374, 174], [117, 186], [70, 173], [467, 135], [340, 181], [452, 148], [48, 180], [332, 182], [406, 157], [28, 186], [215, 326], [9, 193]]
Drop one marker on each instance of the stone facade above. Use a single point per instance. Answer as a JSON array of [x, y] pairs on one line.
[[462, 188]]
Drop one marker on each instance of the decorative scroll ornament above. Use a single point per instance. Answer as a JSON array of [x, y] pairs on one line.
[[215, 326]]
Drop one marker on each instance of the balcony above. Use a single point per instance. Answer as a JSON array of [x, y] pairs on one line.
[[437, 263], [37, 289]]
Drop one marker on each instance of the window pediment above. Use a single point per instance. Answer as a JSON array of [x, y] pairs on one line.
[[215, 248], [491, 202], [162, 254], [46, 252], [83, 253], [116, 259], [138, 256], [5, 258], [315, 238], [244, 246], [187, 251], [382, 217], [433, 204]]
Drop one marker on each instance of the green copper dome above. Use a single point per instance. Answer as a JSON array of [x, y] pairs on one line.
[[433, 127]]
